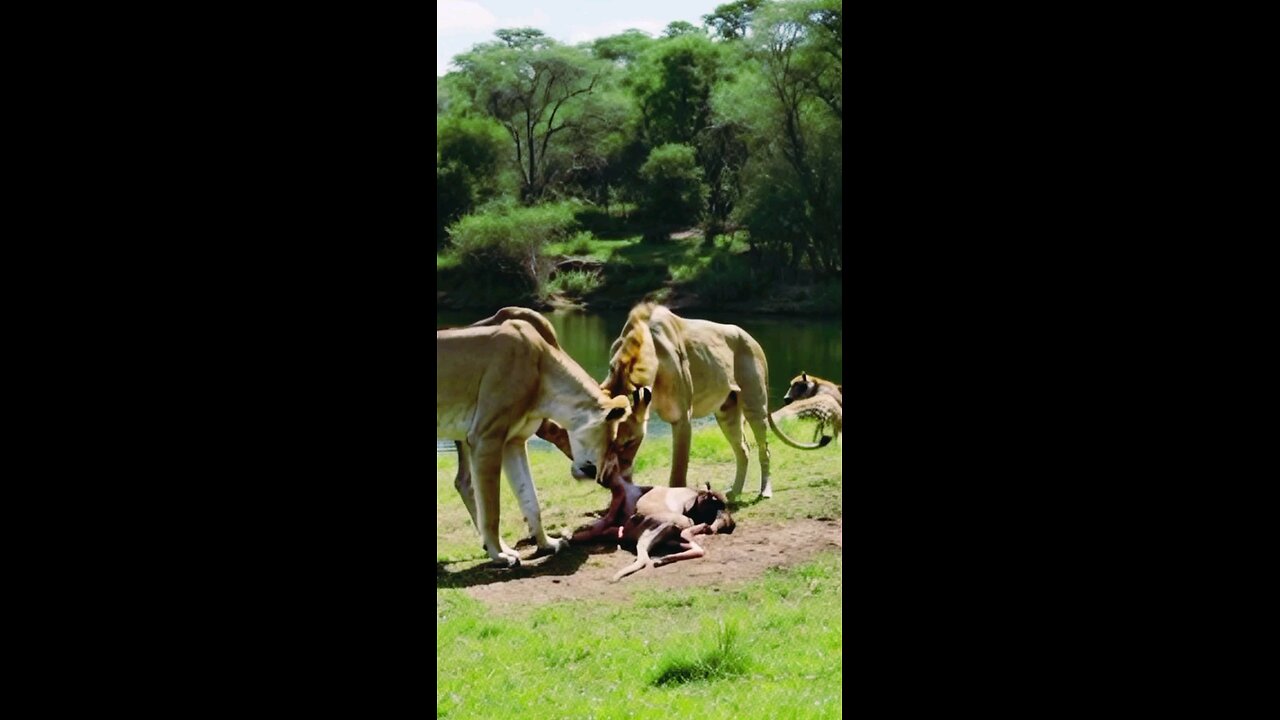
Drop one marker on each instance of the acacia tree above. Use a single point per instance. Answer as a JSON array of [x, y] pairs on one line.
[[529, 83], [732, 20], [623, 48]]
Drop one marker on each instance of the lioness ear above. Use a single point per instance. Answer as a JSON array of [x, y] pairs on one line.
[[840, 389], [618, 407], [641, 394], [804, 376], [708, 486]]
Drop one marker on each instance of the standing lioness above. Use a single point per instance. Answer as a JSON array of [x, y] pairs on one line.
[[494, 385], [695, 368]]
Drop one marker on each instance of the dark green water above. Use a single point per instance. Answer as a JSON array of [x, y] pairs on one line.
[[791, 344]]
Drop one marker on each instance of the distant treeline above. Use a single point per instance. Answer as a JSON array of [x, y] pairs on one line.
[[733, 125]]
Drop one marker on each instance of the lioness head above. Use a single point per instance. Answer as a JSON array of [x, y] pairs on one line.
[[633, 368], [631, 430], [594, 435], [801, 387]]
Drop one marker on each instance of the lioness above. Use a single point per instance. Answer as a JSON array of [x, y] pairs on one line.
[[805, 385], [494, 386], [695, 368], [548, 430]]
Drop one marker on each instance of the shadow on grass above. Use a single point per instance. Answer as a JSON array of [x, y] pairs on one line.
[[737, 503], [608, 226], [723, 660], [565, 562]]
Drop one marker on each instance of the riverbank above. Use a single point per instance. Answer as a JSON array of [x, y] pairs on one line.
[[606, 274]]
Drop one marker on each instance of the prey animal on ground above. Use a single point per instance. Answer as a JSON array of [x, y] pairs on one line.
[[494, 387], [672, 517], [694, 368]]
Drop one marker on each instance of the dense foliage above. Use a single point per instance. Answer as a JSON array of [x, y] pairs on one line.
[[734, 125]]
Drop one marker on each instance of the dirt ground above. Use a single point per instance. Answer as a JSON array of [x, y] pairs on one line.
[[584, 572]]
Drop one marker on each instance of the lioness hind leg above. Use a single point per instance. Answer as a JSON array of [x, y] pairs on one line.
[[729, 418], [761, 431], [486, 465], [515, 463]]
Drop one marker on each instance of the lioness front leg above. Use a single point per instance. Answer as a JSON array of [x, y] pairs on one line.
[[515, 462], [463, 481], [486, 465], [681, 436]]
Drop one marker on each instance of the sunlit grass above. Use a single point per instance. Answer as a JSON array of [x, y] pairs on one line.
[[767, 648], [806, 484], [771, 648]]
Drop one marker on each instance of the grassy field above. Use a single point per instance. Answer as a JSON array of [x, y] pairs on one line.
[[766, 647]]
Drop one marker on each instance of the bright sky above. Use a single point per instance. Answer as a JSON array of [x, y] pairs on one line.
[[463, 23]]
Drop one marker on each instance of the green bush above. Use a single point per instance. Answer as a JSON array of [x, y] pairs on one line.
[[511, 239], [728, 278], [469, 157], [575, 283], [674, 193], [580, 244]]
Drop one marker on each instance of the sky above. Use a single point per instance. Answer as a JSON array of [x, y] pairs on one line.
[[463, 23]]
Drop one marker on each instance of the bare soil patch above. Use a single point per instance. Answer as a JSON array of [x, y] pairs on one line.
[[585, 572]]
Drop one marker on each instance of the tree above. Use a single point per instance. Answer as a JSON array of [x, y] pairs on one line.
[[623, 48], [672, 83], [792, 113], [731, 21], [680, 27], [529, 83], [674, 193], [468, 167]]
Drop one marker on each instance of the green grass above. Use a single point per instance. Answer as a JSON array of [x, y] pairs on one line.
[[593, 247], [806, 484], [689, 663], [766, 648]]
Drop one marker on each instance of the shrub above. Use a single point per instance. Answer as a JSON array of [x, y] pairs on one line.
[[580, 244], [724, 659], [728, 278], [511, 239], [575, 283], [674, 194]]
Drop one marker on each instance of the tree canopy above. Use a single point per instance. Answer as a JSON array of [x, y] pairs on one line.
[[736, 124]]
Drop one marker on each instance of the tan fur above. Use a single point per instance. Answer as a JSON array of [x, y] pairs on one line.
[[805, 385], [548, 430], [822, 407], [695, 368], [494, 386]]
